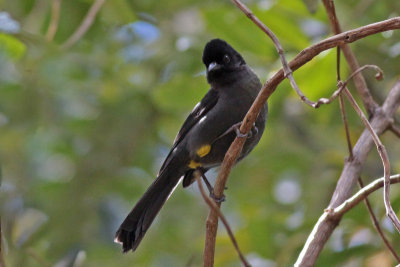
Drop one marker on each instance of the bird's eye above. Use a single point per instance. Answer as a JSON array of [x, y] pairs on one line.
[[226, 59]]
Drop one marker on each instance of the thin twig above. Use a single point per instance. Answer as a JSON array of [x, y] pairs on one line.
[[216, 209], [384, 157], [36, 257], [342, 85], [394, 129], [338, 64], [85, 25], [288, 72], [359, 81], [362, 194], [346, 127], [377, 225], [55, 16], [342, 108], [2, 261]]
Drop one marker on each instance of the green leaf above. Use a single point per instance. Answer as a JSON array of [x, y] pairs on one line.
[[12, 46]]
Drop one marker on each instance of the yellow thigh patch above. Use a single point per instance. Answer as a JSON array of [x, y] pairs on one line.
[[194, 164], [203, 151]]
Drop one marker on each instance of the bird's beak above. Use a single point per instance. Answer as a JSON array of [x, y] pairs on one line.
[[213, 65]]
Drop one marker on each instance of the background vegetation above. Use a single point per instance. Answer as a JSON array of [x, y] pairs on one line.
[[84, 129]]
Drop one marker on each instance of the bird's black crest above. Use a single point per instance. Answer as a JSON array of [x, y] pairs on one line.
[[215, 50]]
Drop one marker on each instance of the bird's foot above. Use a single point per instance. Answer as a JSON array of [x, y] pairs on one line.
[[236, 128], [217, 199], [211, 189]]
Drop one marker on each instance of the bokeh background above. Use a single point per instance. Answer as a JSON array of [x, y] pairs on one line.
[[84, 129]]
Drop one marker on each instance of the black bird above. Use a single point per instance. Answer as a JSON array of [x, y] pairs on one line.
[[204, 138]]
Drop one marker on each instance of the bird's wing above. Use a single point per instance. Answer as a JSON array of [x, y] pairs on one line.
[[198, 112]]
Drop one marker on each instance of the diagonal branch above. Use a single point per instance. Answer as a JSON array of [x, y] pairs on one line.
[[85, 25], [351, 171], [351, 202], [394, 129], [2, 261], [350, 148], [55, 16], [342, 85], [278, 46], [346, 126], [384, 156], [375, 221], [359, 81], [342, 108], [216, 209]]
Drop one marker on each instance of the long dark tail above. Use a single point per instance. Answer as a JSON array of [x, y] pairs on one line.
[[135, 225]]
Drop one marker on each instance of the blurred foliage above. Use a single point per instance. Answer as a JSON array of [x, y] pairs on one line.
[[83, 132]]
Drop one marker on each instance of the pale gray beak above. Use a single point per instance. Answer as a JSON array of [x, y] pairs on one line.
[[212, 66]]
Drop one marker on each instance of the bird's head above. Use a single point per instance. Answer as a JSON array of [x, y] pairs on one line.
[[221, 60]]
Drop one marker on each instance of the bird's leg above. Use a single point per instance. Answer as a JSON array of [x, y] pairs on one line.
[[210, 188], [236, 128]]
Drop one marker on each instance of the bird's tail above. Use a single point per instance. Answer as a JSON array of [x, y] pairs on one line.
[[135, 225]]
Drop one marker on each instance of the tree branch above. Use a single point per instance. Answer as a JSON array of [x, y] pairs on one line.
[[341, 106], [376, 224], [2, 262], [374, 220], [361, 195], [351, 171], [359, 81], [216, 209], [55, 16], [342, 86], [85, 25], [288, 72], [346, 126], [394, 129], [385, 160]]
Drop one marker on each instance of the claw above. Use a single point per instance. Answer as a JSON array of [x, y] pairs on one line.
[[210, 188], [238, 133], [250, 134], [255, 129], [217, 199]]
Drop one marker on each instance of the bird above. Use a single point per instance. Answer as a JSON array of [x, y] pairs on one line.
[[204, 137]]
